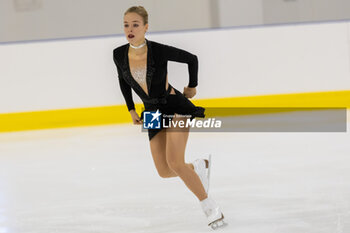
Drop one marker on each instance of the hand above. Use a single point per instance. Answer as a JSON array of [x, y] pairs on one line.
[[189, 92], [135, 117]]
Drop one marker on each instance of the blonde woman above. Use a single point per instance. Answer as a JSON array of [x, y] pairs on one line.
[[142, 66]]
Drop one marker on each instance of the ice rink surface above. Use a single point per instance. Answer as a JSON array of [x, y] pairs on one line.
[[102, 179]]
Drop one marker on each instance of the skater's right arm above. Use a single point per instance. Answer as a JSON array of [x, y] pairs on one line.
[[126, 90]]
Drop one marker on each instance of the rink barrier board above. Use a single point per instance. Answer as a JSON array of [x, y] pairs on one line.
[[118, 114]]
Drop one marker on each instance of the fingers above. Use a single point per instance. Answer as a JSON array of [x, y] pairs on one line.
[[137, 122], [189, 92]]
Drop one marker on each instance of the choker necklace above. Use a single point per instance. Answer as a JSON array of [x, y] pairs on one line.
[[138, 47]]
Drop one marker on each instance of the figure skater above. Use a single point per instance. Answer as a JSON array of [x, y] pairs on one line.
[[142, 66]]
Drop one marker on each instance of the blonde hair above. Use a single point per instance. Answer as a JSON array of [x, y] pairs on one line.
[[140, 10]]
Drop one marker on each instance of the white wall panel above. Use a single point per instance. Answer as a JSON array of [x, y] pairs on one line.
[[238, 13]]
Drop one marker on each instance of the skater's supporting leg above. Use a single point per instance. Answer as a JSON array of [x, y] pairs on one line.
[[176, 140], [158, 150]]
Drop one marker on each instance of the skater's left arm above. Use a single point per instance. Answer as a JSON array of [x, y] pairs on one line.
[[180, 55]]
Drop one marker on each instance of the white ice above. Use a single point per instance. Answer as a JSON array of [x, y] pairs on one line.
[[102, 179]]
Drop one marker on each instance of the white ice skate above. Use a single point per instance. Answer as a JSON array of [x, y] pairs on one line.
[[202, 168], [213, 212]]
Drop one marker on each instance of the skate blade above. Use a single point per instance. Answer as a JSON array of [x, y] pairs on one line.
[[220, 223]]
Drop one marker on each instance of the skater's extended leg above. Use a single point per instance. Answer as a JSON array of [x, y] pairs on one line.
[[176, 140], [158, 150]]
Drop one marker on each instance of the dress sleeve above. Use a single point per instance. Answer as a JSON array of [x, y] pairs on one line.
[[179, 55], [125, 88]]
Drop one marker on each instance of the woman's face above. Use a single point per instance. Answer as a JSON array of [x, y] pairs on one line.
[[134, 28]]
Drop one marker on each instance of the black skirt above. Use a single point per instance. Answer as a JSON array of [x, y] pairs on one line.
[[175, 103]]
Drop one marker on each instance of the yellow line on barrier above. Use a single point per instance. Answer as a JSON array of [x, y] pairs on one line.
[[307, 100], [118, 114]]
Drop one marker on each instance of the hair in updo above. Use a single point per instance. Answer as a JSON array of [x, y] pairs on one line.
[[140, 10]]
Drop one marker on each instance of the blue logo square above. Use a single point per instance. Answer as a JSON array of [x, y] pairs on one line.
[[151, 119]]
